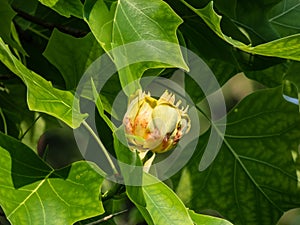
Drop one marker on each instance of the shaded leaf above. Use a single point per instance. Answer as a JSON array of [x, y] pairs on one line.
[[65, 7], [270, 77], [72, 56], [7, 14], [30, 8], [13, 104], [253, 179], [287, 47], [285, 17], [163, 204], [204, 219], [6, 17], [291, 85], [33, 193], [252, 18], [41, 96]]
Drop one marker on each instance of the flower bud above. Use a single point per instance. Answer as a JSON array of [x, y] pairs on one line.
[[155, 125]]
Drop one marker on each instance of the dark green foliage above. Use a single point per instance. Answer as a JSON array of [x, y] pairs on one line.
[[47, 50]]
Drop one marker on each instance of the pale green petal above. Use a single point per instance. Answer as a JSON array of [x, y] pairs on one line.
[[165, 118]]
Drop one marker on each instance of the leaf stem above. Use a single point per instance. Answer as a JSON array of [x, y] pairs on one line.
[[38, 33], [107, 217], [50, 26], [111, 192], [99, 142], [4, 121], [31, 125]]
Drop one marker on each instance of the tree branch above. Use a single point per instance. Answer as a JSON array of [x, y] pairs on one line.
[[48, 25]]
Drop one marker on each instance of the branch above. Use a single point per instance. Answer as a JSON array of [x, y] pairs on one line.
[[48, 25], [107, 217]]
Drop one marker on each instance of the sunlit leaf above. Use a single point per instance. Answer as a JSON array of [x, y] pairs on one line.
[[159, 23], [131, 168], [100, 19], [65, 7], [33, 193], [287, 47], [163, 204], [199, 219], [41, 96]]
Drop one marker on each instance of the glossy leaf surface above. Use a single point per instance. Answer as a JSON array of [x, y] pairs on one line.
[[41, 95], [33, 193]]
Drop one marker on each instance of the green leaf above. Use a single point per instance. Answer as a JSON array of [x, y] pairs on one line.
[[119, 26], [292, 81], [6, 17], [65, 7], [270, 77], [253, 179], [285, 17], [72, 56], [204, 219], [287, 47], [131, 168], [163, 204], [14, 105], [100, 20], [30, 8], [100, 108], [216, 53], [41, 96], [159, 22], [252, 18], [33, 193]]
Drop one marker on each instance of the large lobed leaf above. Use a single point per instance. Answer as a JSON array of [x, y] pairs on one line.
[[72, 56], [287, 47], [33, 193], [253, 179], [41, 96], [251, 17], [135, 21], [164, 206], [65, 7], [285, 17], [154, 199], [162, 203]]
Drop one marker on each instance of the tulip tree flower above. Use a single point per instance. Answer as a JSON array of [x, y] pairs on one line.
[[155, 125]]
